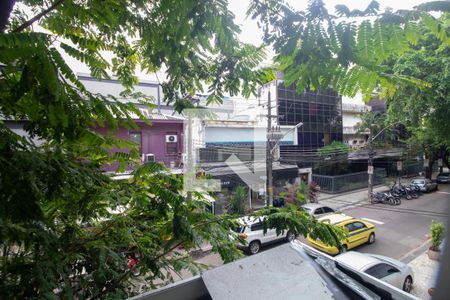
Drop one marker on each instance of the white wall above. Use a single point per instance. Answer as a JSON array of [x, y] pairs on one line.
[[350, 119], [114, 88]]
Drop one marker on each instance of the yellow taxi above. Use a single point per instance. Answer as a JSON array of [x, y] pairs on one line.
[[358, 232]]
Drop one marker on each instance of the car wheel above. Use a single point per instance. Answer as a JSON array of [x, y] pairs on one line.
[[343, 249], [254, 247], [407, 285], [290, 236], [371, 239]]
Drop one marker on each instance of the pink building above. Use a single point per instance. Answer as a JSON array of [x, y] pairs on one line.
[[161, 142]]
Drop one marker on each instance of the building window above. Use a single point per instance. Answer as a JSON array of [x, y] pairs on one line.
[[171, 147], [137, 138]]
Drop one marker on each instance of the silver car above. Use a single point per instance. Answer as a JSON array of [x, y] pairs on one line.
[[382, 267], [425, 185], [317, 210]]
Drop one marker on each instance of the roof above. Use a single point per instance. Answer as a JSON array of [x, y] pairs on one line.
[[221, 168], [356, 260], [283, 272], [278, 273], [249, 220], [152, 114], [335, 218]]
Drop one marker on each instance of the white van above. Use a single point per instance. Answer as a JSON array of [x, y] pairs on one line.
[[251, 230]]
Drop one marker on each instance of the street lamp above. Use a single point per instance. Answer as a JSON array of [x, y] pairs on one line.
[[273, 136], [370, 158]]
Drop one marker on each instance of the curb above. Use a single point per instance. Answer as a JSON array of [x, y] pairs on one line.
[[416, 252], [201, 251], [347, 193]]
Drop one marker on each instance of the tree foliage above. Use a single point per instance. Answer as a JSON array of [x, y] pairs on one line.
[[425, 112], [336, 148], [237, 201], [316, 49], [333, 159], [64, 223]]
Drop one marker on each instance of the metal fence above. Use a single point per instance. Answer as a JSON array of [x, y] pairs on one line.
[[347, 182]]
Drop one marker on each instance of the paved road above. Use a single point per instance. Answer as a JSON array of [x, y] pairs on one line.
[[400, 229], [403, 228]]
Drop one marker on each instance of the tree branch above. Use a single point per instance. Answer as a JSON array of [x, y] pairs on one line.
[[38, 16]]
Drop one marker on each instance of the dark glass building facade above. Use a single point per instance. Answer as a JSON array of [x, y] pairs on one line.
[[319, 111]]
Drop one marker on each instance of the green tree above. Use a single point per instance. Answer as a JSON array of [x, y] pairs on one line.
[[392, 134], [333, 158], [316, 49], [63, 222], [425, 112], [237, 201], [301, 193]]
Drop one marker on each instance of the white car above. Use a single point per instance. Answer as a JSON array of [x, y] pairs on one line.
[[251, 230], [382, 267], [317, 210]]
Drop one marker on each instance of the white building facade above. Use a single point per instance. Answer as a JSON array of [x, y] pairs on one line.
[[352, 109]]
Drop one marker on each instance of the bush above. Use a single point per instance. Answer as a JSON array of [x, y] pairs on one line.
[[237, 201], [437, 230], [301, 193]]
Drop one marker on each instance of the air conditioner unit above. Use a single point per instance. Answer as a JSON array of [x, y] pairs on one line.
[[149, 157], [171, 138]]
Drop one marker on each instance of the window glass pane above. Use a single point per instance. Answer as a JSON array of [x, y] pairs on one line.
[[358, 225], [327, 209], [381, 270], [172, 148], [257, 226], [137, 138], [349, 227], [372, 271], [318, 211]]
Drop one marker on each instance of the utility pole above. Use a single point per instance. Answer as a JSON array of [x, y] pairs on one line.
[[370, 166], [371, 153], [269, 157]]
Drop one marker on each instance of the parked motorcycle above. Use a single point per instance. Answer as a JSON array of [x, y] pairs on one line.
[[406, 192], [385, 198]]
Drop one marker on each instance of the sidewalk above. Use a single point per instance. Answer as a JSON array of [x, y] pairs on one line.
[[424, 272], [349, 199]]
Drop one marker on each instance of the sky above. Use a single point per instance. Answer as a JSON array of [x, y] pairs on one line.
[[250, 33]]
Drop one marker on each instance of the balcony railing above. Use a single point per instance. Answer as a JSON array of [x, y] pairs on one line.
[[355, 107], [349, 130]]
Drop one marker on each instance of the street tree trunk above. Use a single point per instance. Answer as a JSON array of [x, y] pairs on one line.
[[429, 168]]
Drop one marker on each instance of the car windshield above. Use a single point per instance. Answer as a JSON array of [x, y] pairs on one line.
[[418, 181], [239, 229], [307, 209], [444, 174]]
